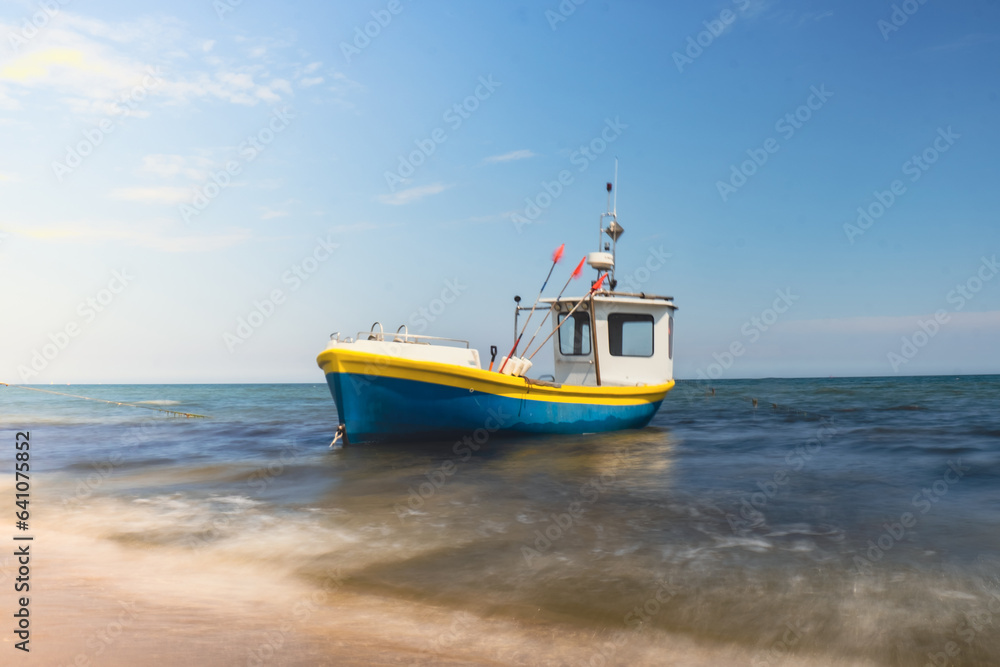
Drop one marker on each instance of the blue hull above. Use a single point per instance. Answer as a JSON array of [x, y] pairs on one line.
[[377, 408]]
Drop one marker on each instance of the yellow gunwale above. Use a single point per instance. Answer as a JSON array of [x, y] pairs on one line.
[[340, 360]]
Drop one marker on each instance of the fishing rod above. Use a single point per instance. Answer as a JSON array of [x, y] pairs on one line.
[[101, 400], [573, 276], [596, 286], [556, 256]]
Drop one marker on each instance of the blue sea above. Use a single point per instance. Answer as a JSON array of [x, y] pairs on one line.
[[754, 522]]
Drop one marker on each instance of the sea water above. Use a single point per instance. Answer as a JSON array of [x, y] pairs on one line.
[[835, 522]]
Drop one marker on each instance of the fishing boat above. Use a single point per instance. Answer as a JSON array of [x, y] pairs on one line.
[[613, 366]]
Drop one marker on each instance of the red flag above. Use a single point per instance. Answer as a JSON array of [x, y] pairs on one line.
[[597, 285], [557, 255], [579, 269]]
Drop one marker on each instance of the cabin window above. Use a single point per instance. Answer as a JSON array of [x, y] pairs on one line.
[[574, 336], [630, 335]]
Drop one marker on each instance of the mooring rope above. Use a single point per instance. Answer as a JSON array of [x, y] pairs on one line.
[[101, 400], [775, 407]]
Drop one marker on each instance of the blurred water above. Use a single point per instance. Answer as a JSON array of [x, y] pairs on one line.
[[855, 521]]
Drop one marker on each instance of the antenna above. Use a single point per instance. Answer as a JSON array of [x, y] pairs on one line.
[[615, 210], [600, 260]]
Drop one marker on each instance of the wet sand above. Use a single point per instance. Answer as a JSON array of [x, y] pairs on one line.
[[100, 603]]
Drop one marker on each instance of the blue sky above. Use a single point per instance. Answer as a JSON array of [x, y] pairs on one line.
[[226, 159]]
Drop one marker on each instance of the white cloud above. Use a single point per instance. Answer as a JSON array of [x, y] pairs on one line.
[[235, 87], [966, 41], [88, 63], [757, 7], [269, 183], [508, 157], [343, 86], [76, 69], [163, 165], [283, 85], [155, 234], [356, 227], [481, 219], [152, 195], [8, 103], [808, 17], [900, 325], [194, 167], [239, 81], [146, 31], [270, 214], [280, 211], [411, 195], [267, 94]]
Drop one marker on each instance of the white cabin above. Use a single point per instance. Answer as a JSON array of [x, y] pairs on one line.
[[633, 335]]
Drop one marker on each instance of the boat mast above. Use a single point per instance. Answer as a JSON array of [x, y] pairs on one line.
[[614, 230]]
